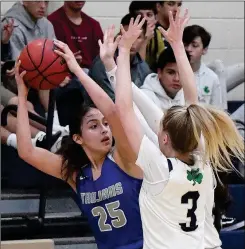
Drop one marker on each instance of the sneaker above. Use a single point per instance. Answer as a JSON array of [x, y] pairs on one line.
[[41, 139], [227, 221]]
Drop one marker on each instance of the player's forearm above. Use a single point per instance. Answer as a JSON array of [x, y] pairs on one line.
[[109, 64], [96, 93], [186, 74], [23, 131], [124, 99]]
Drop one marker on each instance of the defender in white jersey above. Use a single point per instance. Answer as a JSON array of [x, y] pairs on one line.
[[177, 192]]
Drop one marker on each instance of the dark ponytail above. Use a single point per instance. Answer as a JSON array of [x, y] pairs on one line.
[[73, 155]]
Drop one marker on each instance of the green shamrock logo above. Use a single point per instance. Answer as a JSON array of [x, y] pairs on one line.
[[206, 89], [195, 176]]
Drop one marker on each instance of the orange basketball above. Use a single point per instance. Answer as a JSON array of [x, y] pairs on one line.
[[45, 69]]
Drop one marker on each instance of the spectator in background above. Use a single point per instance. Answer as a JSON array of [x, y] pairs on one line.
[[7, 132], [7, 31], [164, 88], [158, 43], [196, 40], [148, 10], [30, 24], [139, 68], [78, 30]]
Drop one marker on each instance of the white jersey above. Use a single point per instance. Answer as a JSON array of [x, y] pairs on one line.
[[173, 201]]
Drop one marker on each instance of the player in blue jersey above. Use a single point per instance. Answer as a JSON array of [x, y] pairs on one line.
[[107, 192], [107, 187]]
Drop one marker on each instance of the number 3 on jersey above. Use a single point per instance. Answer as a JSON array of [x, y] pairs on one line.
[[191, 195], [118, 216]]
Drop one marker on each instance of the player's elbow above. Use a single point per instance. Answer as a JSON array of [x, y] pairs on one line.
[[25, 152]]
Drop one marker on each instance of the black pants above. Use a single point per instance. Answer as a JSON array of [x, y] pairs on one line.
[[222, 199]]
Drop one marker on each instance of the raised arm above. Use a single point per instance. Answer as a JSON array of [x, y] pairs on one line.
[[107, 51], [124, 95], [174, 36], [40, 158], [100, 99]]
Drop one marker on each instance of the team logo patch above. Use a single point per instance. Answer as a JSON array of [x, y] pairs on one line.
[[195, 176], [206, 89]]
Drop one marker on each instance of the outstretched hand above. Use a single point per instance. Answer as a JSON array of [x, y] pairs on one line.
[[22, 88], [132, 34], [175, 31], [109, 45], [67, 54]]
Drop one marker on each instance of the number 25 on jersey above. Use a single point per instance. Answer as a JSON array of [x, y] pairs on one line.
[[118, 218]]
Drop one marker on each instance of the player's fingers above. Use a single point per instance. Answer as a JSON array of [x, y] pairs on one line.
[[60, 54], [22, 74], [60, 44], [106, 35], [77, 53], [118, 38], [112, 32], [131, 21], [185, 18], [137, 20], [141, 23], [122, 29], [163, 31], [17, 66], [171, 18], [113, 29]]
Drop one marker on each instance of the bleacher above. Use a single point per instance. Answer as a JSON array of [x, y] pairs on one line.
[[38, 206]]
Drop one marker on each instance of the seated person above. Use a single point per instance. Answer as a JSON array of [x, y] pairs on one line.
[[157, 42], [148, 10], [197, 40], [30, 23], [164, 87], [139, 68], [78, 30], [39, 138]]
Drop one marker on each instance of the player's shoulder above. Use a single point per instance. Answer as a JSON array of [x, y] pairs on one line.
[[56, 15]]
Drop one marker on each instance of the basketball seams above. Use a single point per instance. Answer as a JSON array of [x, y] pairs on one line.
[[43, 71], [43, 76], [42, 53], [37, 68], [33, 62]]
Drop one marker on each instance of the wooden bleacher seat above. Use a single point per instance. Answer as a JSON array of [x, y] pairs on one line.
[[28, 244]]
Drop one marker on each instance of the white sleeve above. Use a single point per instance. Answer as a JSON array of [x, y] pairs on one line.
[[211, 236], [147, 130], [151, 112], [216, 98], [152, 161]]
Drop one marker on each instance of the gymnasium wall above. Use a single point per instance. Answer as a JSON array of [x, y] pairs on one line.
[[225, 21]]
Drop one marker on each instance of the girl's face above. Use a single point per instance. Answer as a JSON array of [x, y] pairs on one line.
[[96, 136]]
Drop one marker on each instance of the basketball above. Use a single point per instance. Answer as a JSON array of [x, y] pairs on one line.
[[45, 69]]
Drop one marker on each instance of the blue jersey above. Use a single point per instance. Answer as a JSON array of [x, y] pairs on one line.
[[112, 207]]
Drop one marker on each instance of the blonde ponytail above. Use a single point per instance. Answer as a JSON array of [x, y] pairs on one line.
[[222, 140]]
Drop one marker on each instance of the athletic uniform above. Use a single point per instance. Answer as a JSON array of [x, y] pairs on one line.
[[111, 205], [173, 201]]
